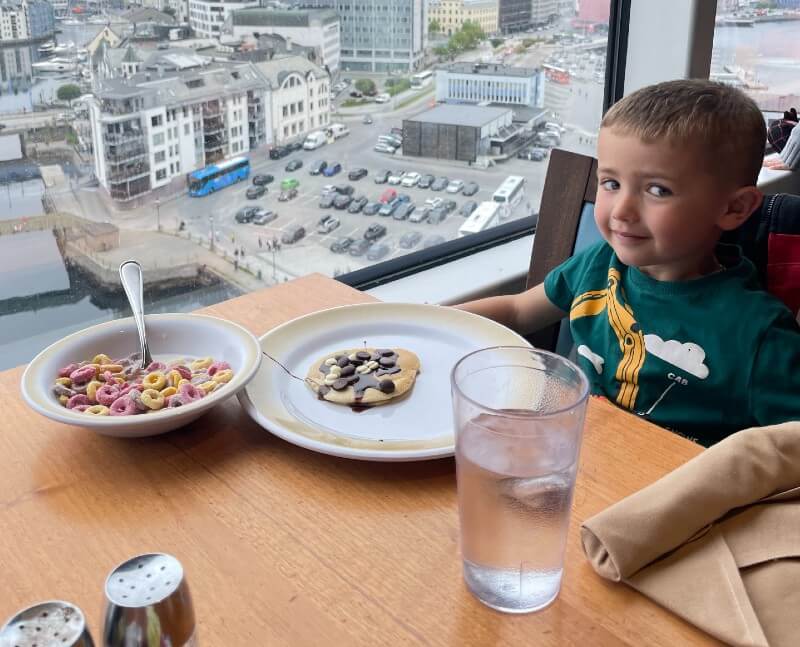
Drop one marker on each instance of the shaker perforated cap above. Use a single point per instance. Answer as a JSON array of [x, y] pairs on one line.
[[144, 580], [48, 624]]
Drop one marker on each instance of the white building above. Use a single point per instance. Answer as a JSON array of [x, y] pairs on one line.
[[22, 20], [318, 28], [300, 97], [490, 83], [544, 11], [160, 124], [206, 17]]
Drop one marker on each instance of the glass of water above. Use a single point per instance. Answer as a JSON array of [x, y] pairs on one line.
[[519, 416]]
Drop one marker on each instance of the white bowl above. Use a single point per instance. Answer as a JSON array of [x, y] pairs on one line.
[[168, 335]]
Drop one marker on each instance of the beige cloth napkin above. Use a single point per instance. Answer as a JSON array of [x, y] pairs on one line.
[[716, 541]]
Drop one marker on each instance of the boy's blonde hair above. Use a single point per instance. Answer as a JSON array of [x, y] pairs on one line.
[[720, 119]]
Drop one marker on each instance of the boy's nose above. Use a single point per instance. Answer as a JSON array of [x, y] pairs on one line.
[[625, 209]]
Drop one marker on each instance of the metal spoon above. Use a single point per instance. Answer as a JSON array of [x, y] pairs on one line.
[[130, 273]]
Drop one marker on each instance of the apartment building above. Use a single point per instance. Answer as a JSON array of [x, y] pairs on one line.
[[300, 97], [452, 14], [23, 20], [160, 124], [207, 17], [490, 83], [544, 11], [317, 28]]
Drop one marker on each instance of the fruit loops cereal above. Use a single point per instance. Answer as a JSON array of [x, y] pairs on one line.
[[106, 387]]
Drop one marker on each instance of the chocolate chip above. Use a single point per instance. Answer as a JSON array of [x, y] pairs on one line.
[[343, 361], [348, 370], [387, 371], [352, 379], [385, 352], [340, 384], [356, 362], [323, 389], [386, 362], [363, 355], [386, 386]]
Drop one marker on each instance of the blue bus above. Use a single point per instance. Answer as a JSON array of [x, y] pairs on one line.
[[217, 176]]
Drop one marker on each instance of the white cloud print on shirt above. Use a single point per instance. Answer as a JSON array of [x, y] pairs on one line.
[[689, 357]]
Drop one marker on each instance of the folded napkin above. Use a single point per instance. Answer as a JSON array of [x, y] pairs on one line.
[[716, 541]]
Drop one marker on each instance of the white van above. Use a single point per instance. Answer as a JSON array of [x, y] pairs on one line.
[[314, 140], [338, 130]]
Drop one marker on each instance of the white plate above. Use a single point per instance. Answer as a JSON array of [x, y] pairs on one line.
[[415, 427]]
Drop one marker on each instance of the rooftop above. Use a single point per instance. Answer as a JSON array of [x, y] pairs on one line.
[[260, 17], [488, 69], [460, 115]]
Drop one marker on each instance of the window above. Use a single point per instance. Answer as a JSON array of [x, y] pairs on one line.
[[161, 174], [159, 157], [186, 128], [156, 120], [158, 139], [285, 111]]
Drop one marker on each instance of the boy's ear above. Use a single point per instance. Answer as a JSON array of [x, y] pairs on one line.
[[741, 204]]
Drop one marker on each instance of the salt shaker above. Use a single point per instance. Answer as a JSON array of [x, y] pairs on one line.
[[48, 624], [148, 603]]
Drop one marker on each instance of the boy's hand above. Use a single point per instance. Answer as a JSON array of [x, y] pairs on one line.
[[524, 313]]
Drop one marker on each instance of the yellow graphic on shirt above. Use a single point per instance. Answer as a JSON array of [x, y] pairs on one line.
[[626, 329]]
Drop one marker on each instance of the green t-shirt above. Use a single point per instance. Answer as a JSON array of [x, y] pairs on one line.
[[706, 357]]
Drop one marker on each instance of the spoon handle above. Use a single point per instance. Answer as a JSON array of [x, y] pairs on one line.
[[130, 273]]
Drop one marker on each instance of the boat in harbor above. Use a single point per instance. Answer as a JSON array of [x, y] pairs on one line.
[[56, 64], [47, 48]]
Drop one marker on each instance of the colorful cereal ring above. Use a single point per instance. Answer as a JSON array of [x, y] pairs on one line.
[[77, 399], [64, 381], [198, 364], [185, 371], [60, 389], [223, 376], [208, 387], [174, 378], [97, 410], [170, 390], [155, 380], [101, 359], [65, 372], [175, 401], [189, 393], [82, 375], [217, 366], [123, 406], [156, 366], [153, 399], [136, 396], [91, 389], [107, 394]]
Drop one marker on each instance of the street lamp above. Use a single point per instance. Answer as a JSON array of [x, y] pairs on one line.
[[211, 225], [158, 214]]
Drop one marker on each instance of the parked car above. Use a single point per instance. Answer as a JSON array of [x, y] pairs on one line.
[[371, 208], [388, 208], [332, 169], [289, 183], [403, 211], [255, 192], [404, 197], [263, 216], [359, 247], [356, 94], [326, 201], [381, 176], [344, 189], [367, 120], [383, 148], [440, 184], [294, 165], [383, 97], [410, 179], [245, 214], [357, 174], [449, 205], [296, 145], [278, 151], [425, 181], [467, 208], [419, 215], [261, 180], [317, 167], [293, 234], [395, 178], [410, 239], [432, 241], [341, 245], [374, 232], [470, 188], [388, 196], [342, 201], [327, 224], [437, 215], [396, 130], [455, 186], [357, 204], [434, 202], [285, 196], [378, 251]]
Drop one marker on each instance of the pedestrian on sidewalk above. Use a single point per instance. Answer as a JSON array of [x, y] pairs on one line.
[[260, 244]]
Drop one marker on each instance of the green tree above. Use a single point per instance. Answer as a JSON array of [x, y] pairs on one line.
[[68, 93], [365, 86], [434, 26], [442, 51]]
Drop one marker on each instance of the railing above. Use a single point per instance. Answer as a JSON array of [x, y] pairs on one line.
[[123, 138], [127, 174], [212, 111], [125, 154]]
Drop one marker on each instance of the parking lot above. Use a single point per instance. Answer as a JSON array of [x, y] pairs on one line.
[[312, 253]]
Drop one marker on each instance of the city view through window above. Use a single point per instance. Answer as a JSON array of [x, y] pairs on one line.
[[229, 147]]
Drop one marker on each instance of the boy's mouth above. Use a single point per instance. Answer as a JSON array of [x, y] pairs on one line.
[[627, 238]]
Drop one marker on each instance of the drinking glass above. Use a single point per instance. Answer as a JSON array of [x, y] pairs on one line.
[[518, 416]]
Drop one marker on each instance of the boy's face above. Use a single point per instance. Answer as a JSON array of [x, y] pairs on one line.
[[659, 206]]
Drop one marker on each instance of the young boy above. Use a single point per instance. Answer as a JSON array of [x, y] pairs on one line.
[[668, 323]]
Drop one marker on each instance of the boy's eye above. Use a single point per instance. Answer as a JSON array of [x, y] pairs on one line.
[[658, 191], [609, 185]]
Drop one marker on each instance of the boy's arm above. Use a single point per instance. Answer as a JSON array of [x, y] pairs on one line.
[[525, 312], [774, 389]]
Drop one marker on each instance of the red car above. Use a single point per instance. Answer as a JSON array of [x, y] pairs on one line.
[[388, 195]]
